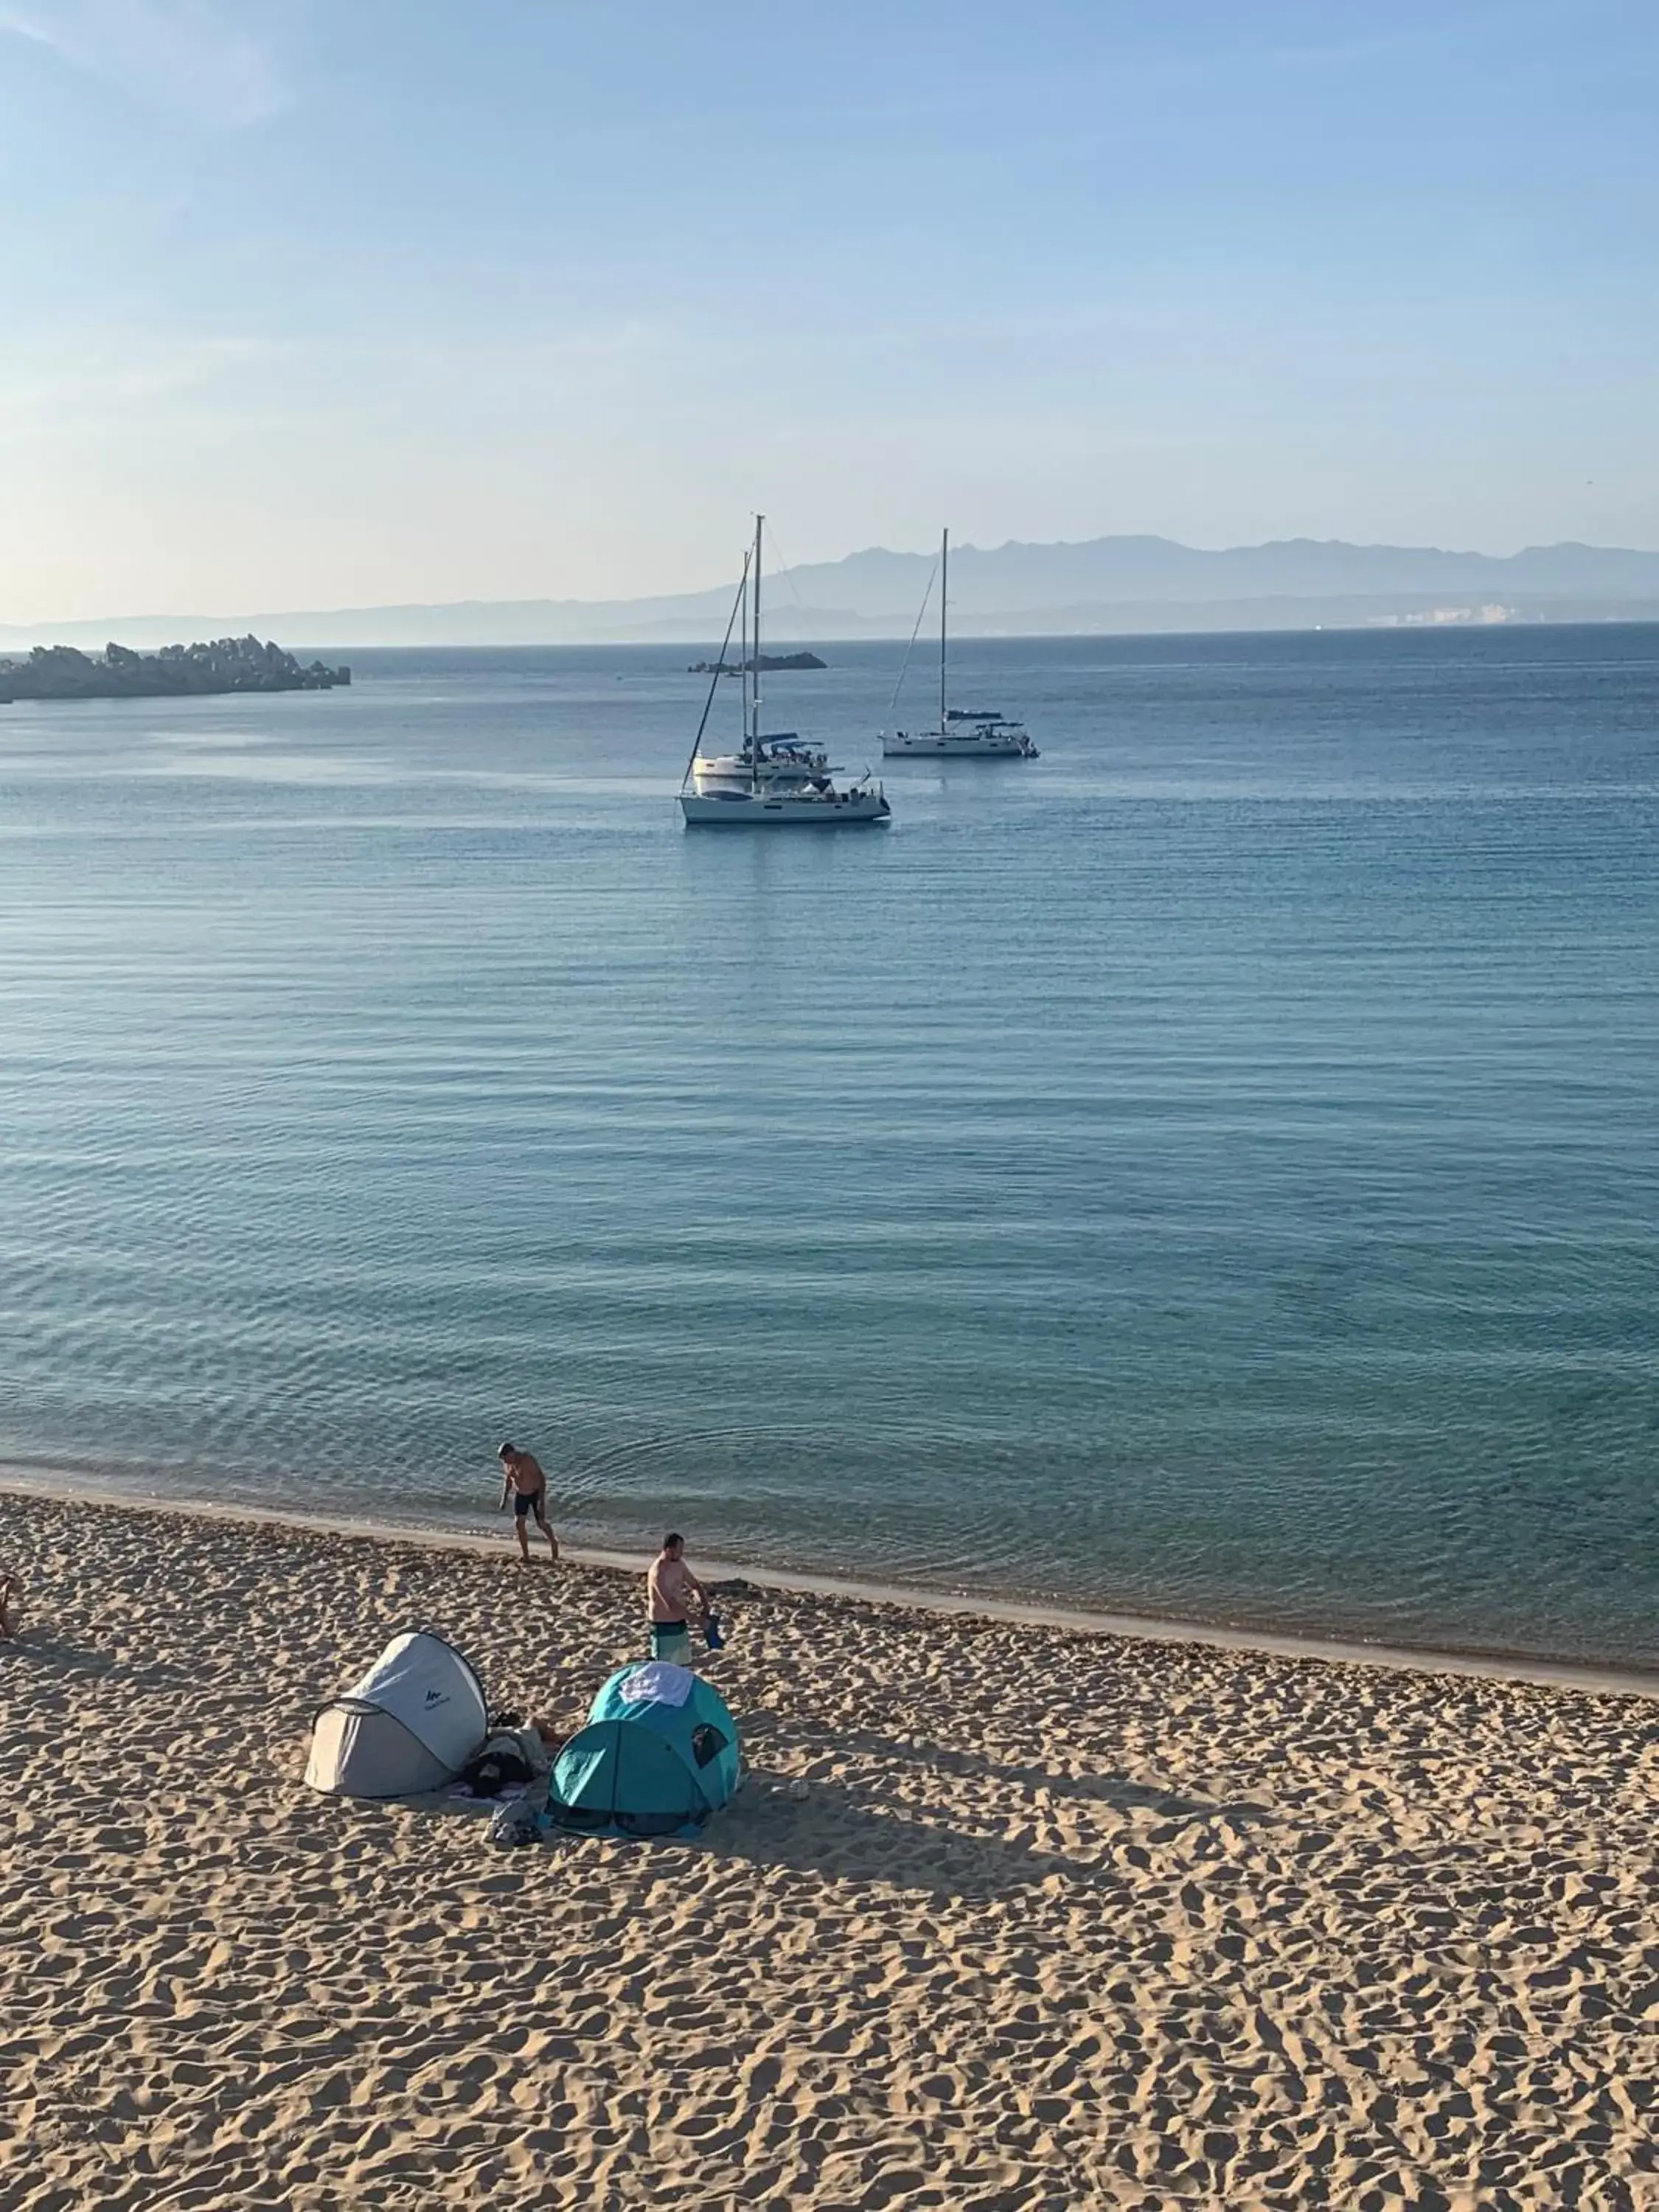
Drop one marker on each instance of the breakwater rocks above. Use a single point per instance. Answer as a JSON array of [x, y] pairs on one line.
[[229, 664], [767, 660]]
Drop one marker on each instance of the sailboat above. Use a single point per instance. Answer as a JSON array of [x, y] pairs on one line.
[[966, 733], [777, 782]]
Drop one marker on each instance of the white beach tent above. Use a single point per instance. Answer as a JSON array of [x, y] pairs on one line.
[[411, 1724]]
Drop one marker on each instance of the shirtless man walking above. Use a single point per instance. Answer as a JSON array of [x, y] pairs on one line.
[[670, 1588], [523, 1481]]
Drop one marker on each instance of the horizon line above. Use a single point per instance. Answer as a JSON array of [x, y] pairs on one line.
[[966, 547]]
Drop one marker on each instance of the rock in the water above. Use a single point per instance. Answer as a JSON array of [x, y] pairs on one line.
[[767, 660], [230, 663]]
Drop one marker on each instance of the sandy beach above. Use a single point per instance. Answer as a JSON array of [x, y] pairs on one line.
[[1005, 1916]]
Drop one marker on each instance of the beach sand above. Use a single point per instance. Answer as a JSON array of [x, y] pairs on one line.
[[1004, 1915]]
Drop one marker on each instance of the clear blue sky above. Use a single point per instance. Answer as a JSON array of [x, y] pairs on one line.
[[320, 302]]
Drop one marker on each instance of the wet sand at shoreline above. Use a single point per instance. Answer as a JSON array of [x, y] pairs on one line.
[[1481, 1662], [1005, 1915]]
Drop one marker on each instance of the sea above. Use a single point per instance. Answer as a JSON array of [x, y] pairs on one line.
[[1209, 1172]]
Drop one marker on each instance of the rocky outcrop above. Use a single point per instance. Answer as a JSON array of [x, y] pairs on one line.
[[767, 660], [230, 663]]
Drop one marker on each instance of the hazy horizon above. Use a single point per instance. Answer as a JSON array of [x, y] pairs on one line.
[[343, 308], [1115, 585]]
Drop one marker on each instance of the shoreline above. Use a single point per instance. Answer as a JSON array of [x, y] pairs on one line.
[[1582, 1676]]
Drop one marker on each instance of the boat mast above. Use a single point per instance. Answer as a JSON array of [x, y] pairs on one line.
[[755, 691], [743, 662], [944, 603]]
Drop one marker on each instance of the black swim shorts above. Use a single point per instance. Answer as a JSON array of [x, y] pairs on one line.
[[526, 1502]]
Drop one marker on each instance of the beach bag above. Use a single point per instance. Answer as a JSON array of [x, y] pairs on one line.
[[512, 1827]]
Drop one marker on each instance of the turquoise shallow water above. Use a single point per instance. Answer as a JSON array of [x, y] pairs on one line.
[[1212, 1171]]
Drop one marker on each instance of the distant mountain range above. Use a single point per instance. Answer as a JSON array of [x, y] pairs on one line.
[[1103, 585]]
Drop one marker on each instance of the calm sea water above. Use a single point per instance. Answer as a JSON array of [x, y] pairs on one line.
[[1212, 1171]]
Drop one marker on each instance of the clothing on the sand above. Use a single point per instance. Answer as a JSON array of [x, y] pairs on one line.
[[507, 1759], [515, 1821]]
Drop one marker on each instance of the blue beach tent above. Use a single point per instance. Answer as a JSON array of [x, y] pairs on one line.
[[658, 1754]]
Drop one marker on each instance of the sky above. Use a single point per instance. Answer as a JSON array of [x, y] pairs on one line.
[[306, 305]]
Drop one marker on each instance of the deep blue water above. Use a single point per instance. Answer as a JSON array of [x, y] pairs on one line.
[[1212, 1171]]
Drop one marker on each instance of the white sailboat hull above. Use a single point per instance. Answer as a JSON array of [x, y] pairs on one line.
[[781, 810], [959, 745]]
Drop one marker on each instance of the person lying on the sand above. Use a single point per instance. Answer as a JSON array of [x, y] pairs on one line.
[[670, 1589], [525, 1483]]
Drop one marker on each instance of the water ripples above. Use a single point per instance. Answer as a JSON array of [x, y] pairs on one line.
[[1212, 1171]]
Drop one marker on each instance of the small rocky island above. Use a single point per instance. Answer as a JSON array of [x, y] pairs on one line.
[[768, 660], [230, 663]]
